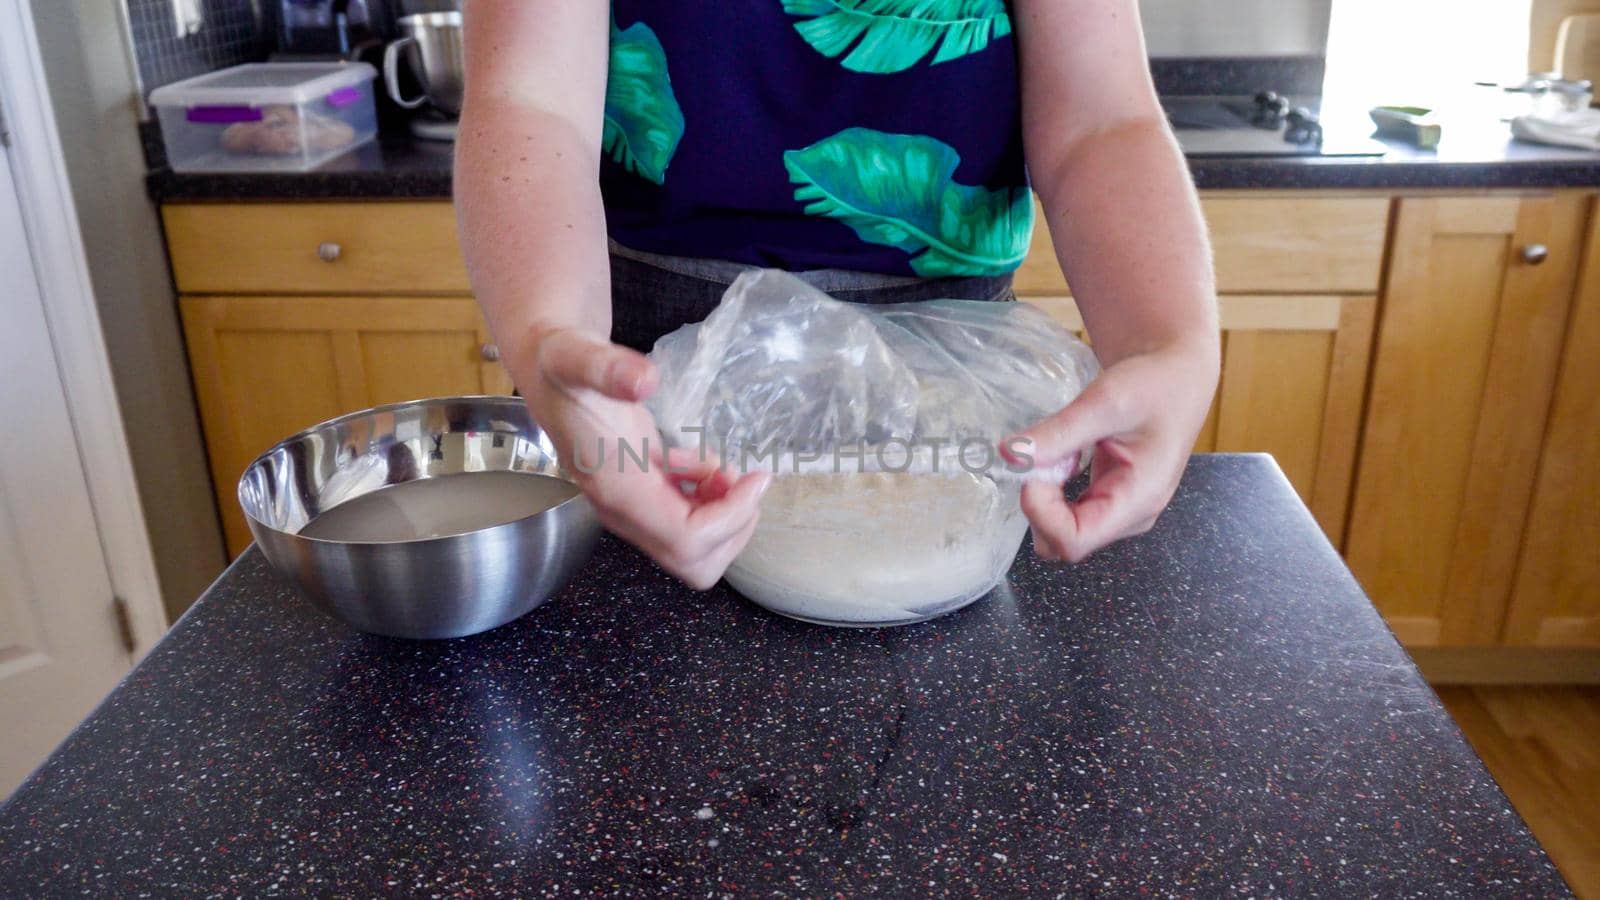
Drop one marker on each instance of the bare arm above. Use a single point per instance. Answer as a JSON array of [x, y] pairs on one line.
[[1116, 190], [534, 234], [1130, 237], [527, 171]]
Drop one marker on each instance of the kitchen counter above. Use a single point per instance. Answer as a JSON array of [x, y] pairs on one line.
[[1470, 157], [1212, 708]]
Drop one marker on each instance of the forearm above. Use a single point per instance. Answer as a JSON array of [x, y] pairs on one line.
[[532, 226], [1130, 237]]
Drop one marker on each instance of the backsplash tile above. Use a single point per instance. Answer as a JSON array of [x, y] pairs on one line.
[[1299, 76], [226, 33]]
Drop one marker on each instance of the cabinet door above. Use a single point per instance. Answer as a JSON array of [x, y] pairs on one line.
[[267, 367], [1556, 602], [1471, 327], [1294, 374], [1294, 371]]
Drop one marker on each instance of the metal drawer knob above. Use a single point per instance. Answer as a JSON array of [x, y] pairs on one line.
[[489, 352], [1534, 254], [329, 252]]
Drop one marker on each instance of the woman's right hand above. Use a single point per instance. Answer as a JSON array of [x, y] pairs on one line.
[[688, 514]]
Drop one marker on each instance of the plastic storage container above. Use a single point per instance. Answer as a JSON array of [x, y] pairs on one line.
[[267, 117]]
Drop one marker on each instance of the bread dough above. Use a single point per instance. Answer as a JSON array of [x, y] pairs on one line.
[[282, 131], [879, 548]]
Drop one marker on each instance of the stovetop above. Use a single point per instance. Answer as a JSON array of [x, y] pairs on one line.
[[1265, 124]]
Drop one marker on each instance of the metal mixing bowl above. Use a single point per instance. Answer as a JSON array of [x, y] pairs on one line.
[[430, 588], [432, 46]]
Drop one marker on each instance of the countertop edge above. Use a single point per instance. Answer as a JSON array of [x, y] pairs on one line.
[[167, 186]]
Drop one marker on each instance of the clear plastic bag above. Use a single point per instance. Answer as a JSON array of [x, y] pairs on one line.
[[882, 425]]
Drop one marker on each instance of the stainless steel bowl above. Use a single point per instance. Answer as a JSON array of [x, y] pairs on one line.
[[431, 588], [432, 45]]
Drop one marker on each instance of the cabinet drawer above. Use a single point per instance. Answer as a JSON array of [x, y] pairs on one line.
[[315, 248], [1281, 244]]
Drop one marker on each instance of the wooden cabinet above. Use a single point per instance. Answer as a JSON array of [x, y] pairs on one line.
[[1556, 598], [267, 367], [1426, 370], [298, 312], [1294, 375], [1475, 309]]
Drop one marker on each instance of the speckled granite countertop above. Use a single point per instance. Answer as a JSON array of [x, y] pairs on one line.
[[402, 168], [1212, 709]]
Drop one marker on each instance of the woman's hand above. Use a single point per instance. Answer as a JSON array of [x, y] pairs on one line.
[[686, 513], [1139, 419]]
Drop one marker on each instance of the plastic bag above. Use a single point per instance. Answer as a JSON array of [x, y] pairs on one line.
[[882, 425]]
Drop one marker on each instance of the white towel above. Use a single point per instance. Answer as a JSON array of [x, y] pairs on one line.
[[1578, 128]]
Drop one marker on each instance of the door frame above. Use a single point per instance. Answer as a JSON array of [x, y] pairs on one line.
[[50, 221]]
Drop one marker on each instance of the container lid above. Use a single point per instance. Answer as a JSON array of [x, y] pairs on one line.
[[259, 84]]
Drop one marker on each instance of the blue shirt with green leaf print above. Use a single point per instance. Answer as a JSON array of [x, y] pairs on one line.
[[872, 135]]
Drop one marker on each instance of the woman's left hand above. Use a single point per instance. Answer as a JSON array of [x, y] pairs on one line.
[[1140, 419]]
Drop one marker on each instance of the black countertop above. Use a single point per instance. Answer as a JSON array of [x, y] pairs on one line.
[[1213, 708], [1472, 156]]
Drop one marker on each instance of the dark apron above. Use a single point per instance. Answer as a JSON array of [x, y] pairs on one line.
[[654, 295]]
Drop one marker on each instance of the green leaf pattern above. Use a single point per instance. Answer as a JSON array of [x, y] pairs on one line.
[[643, 122], [899, 190], [894, 35]]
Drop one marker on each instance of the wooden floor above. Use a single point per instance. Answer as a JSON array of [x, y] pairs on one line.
[[1543, 745]]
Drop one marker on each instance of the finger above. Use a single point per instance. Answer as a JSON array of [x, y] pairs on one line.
[[724, 555], [711, 524], [714, 487], [642, 508], [678, 534], [689, 464], [705, 479], [575, 360], [702, 488], [708, 571], [1115, 506], [1042, 547], [1044, 503], [690, 459], [1092, 417]]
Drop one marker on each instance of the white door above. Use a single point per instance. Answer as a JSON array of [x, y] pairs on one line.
[[61, 647]]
